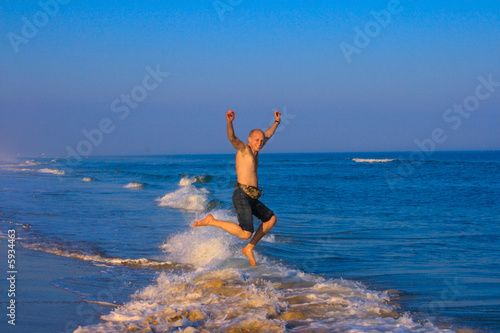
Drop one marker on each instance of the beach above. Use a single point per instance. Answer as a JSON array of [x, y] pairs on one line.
[[109, 245], [40, 305]]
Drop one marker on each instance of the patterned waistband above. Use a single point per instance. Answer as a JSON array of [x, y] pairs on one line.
[[252, 191]]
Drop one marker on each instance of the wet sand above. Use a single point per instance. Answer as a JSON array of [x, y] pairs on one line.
[[40, 306]]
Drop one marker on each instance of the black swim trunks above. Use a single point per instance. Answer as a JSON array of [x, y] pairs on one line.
[[246, 206]]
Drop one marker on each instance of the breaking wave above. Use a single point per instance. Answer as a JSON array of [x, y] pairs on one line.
[[188, 198], [208, 246], [200, 179]]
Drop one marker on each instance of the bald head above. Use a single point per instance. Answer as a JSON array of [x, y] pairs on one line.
[[256, 130], [256, 139]]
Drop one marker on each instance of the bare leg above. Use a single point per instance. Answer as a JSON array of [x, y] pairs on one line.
[[261, 232], [231, 227]]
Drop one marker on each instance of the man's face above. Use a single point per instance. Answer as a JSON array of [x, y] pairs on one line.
[[256, 140]]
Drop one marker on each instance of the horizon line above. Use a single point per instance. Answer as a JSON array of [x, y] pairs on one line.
[[265, 153]]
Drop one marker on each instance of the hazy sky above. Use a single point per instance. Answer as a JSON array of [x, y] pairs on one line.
[[90, 77]]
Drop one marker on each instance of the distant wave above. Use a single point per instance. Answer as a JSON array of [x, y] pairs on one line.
[[31, 163], [134, 185], [52, 171], [22, 166], [373, 160], [28, 163], [17, 169], [187, 198], [88, 179]]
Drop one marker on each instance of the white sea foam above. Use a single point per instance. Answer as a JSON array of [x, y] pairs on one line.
[[24, 166], [88, 179], [208, 246], [200, 179], [187, 198], [186, 181], [373, 160], [134, 185], [269, 238], [269, 298], [28, 163], [52, 171]]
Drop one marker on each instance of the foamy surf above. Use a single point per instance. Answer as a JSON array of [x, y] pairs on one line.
[[225, 294], [208, 246], [373, 160], [88, 179], [270, 299], [187, 198]]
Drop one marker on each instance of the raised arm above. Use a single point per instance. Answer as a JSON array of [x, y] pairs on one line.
[[270, 131], [237, 143]]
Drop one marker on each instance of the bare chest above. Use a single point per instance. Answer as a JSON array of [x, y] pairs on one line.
[[247, 161]]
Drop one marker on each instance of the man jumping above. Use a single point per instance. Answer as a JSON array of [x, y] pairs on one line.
[[247, 192]]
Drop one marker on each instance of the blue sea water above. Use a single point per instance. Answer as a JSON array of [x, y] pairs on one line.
[[365, 242]]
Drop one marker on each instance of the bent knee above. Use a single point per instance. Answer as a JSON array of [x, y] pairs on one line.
[[272, 220], [246, 235]]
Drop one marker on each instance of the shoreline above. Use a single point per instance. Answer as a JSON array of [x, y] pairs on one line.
[[40, 306]]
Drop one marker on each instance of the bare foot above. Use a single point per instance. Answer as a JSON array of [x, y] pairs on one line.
[[205, 221], [248, 251]]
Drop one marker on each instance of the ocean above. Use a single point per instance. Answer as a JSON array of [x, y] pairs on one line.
[[365, 242]]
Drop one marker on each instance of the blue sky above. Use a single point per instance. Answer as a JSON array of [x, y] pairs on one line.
[[67, 68]]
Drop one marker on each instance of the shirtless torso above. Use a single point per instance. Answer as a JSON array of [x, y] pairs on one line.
[[246, 167], [247, 156]]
